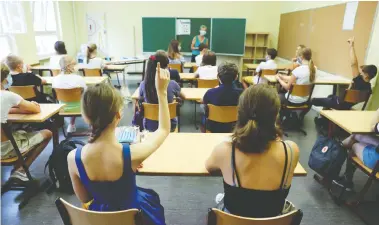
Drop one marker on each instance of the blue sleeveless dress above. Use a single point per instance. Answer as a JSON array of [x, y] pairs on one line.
[[122, 194]]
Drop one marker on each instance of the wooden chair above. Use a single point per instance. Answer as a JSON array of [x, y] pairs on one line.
[[218, 217], [69, 95], [55, 72], [178, 67], [300, 90], [356, 96], [26, 92], [151, 112], [194, 68], [221, 114], [203, 83], [262, 73], [72, 215], [92, 72], [31, 187]]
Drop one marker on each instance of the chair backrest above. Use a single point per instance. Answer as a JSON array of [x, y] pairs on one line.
[[26, 92], [302, 90], [356, 96], [268, 72], [55, 72], [177, 67], [151, 111], [194, 68], [68, 95], [72, 215], [218, 217], [92, 72], [203, 83], [222, 114]]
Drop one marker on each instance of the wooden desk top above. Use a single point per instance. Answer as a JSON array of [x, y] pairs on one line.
[[47, 111], [353, 122], [126, 61], [280, 66], [187, 76], [88, 80], [189, 64], [193, 93], [115, 67], [187, 159], [82, 66], [330, 80]]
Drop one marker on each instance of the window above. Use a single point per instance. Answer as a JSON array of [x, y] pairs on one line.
[[45, 26], [5, 46], [12, 17]]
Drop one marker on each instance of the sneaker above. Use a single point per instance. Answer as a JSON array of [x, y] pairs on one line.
[[71, 128], [219, 197], [18, 175], [345, 183]]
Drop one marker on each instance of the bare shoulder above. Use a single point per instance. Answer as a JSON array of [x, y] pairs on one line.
[[71, 161], [223, 147], [294, 147]]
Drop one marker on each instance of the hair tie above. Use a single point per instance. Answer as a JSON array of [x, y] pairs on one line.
[[152, 57]]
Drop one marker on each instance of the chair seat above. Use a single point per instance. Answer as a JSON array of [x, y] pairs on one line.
[[248, 79], [297, 107], [68, 114], [12, 160], [364, 168]]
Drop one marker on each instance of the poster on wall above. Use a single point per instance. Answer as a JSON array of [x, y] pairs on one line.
[[183, 27], [97, 32]]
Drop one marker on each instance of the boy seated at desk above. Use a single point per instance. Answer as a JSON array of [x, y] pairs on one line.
[[208, 68], [68, 79], [22, 76], [366, 148], [202, 48], [361, 81], [223, 95], [32, 143], [270, 64]]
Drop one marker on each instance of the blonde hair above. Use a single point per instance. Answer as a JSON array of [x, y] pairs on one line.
[[173, 50], [4, 71], [13, 61], [306, 53], [64, 62], [91, 48]]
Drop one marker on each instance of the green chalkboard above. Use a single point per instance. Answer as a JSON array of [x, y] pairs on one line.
[[186, 40], [157, 32], [228, 36]]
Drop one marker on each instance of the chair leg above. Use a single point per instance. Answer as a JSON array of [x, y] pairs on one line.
[[118, 80]]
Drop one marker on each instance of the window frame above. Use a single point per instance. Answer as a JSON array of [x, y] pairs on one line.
[[21, 14]]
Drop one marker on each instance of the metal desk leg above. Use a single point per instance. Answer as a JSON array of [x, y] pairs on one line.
[[334, 89]]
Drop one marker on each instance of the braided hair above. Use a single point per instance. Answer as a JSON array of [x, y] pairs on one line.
[[100, 105]]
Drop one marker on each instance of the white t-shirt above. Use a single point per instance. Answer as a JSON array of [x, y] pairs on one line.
[[8, 101], [302, 77], [199, 59], [68, 81], [207, 72], [95, 63], [268, 65], [54, 61]]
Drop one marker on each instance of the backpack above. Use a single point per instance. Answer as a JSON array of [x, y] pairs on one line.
[[58, 167], [327, 157]]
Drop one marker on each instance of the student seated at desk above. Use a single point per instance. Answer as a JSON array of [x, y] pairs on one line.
[[361, 81], [148, 93], [92, 61], [270, 64], [203, 48], [208, 68], [34, 142], [304, 74], [256, 164], [223, 95], [174, 55], [60, 50], [68, 79], [22, 76], [103, 172], [366, 148]]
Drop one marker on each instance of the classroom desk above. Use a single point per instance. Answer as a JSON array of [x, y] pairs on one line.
[[193, 94], [187, 76], [47, 111], [189, 65], [251, 67], [109, 68], [175, 157], [88, 80], [353, 122]]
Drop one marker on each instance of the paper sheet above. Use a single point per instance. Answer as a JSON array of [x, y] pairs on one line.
[[183, 27], [350, 13]]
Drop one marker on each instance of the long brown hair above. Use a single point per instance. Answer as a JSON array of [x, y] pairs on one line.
[[151, 69], [90, 49], [173, 49], [209, 58], [256, 126], [100, 104], [306, 53]]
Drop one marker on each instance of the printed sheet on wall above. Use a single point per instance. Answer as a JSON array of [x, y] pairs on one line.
[[97, 32]]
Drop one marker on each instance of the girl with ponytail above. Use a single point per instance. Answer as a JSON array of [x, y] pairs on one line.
[[304, 74], [257, 166], [103, 171], [92, 60]]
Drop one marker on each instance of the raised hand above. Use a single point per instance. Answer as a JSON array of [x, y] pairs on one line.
[[351, 41], [162, 78]]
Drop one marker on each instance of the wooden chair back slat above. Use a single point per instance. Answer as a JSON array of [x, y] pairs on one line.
[[268, 72], [92, 72], [151, 111], [202, 83], [178, 67], [302, 90], [222, 114], [25, 92], [68, 95], [356, 96]]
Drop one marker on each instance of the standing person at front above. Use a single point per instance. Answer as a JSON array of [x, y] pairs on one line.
[[257, 165], [103, 171], [197, 40]]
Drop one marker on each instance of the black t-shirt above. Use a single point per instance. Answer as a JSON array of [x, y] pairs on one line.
[[24, 79], [174, 75], [360, 84]]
